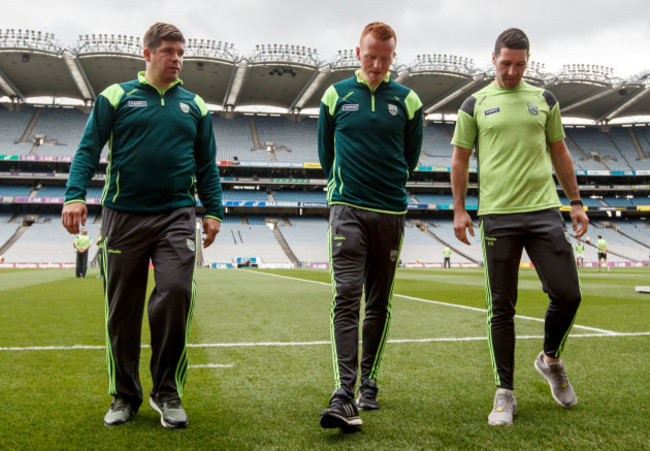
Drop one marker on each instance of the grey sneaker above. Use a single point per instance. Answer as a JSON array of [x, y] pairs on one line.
[[505, 408], [120, 412], [561, 388], [367, 398], [172, 414], [341, 413]]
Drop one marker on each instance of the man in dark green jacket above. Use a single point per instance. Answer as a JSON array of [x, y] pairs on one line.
[[369, 139], [160, 141]]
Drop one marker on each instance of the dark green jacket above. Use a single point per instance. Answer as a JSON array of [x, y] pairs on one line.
[[369, 143], [159, 141]]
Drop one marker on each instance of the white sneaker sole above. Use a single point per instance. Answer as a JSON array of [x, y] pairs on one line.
[[155, 407]]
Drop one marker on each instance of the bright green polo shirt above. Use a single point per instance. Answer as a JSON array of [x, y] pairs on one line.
[[511, 129]]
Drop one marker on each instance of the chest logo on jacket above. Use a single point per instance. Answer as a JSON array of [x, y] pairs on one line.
[[533, 109], [137, 103], [350, 107], [392, 109], [185, 108]]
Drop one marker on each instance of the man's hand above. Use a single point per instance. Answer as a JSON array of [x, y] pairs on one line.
[[210, 229], [578, 215], [462, 221], [72, 214]]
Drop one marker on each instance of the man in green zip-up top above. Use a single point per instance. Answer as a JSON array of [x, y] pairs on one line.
[[369, 138], [160, 141]]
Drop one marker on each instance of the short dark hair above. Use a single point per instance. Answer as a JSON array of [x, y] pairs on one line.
[[380, 30], [159, 32], [512, 38]]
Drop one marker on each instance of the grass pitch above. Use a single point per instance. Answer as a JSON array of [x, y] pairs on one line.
[[261, 367]]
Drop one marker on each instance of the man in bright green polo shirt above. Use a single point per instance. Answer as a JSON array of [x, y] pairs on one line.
[[601, 245], [446, 252], [518, 134], [81, 245], [580, 254]]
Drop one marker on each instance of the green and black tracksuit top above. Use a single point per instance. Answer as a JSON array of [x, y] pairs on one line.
[[160, 141], [369, 143]]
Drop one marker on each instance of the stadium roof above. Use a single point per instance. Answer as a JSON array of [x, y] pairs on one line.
[[291, 78]]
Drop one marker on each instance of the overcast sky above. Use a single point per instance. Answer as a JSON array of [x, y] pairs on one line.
[[609, 33]]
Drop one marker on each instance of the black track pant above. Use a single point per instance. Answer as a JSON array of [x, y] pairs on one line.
[[546, 241], [364, 251], [131, 240]]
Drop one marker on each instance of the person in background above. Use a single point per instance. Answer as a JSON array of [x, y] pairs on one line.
[[580, 253], [446, 252], [100, 254], [601, 245], [81, 245]]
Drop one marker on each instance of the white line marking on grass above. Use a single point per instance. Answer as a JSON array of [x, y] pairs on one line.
[[444, 304], [324, 342], [250, 345], [214, 365], [50, 348]]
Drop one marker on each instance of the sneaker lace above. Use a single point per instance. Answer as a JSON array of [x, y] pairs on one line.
[[503, 402], [118, 404], [559, 376], [172, 404]]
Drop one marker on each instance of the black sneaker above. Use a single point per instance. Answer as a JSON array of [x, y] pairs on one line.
[[120, 412], [367, 399], [341, 413], [172, 414]]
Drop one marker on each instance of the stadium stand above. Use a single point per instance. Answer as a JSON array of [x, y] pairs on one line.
[[51, 191], [642, 135], [620, 247], [48, 242], [618, 148], [7, 230], [420, 247], [594, 142], [618, 201], [307, 238], [15, 190], [443, 228], [245, 241], [13, 125], [586, 201], [244, 195], [235, 140], [297, 137], [62, 129], [436, 147], [300, 196]]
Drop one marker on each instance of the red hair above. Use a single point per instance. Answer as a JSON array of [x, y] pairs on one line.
[[379, 30]]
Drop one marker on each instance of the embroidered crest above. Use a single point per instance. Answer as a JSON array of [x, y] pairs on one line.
[[392, 109], [185, 108], [533, 109], [393, 255]]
